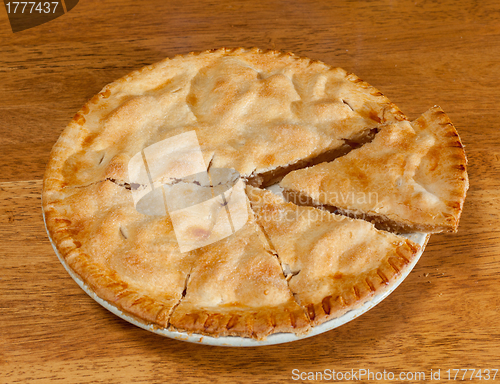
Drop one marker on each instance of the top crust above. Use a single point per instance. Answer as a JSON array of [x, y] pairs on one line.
[[252, 110], [412, 175]]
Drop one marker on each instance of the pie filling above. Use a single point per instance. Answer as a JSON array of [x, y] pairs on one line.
[[128, 186], [380, 222], [265, 179]]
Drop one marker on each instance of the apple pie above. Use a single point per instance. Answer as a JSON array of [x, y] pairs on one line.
[[146, 193]]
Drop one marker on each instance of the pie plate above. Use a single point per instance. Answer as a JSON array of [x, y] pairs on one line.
[[233, 341]]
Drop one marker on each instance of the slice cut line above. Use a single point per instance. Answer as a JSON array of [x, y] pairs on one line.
[[333, 263], [237, 288]]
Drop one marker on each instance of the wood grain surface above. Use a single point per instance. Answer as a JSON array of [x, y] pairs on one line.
[[418, 53]]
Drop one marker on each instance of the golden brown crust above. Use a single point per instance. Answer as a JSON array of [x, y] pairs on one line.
[[255, 324], [359, 289], [445, 165], [334, 264], [411, 175]]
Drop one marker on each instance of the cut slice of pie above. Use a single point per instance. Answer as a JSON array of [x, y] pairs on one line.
[[411, 177], [237, 288], [333, 263]]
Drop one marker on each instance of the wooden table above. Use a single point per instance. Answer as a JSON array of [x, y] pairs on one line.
[[446, 313]]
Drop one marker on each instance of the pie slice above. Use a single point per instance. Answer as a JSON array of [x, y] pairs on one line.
[[237, 288], [333, 263], [411, 178], [130, 259]]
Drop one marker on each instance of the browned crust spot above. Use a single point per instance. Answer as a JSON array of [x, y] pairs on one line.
[[79, 119], [246, 323]]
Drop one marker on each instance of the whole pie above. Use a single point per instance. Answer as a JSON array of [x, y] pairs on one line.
[[155, 192]]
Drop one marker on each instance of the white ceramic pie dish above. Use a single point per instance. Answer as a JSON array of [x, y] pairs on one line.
[[233, 341]]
